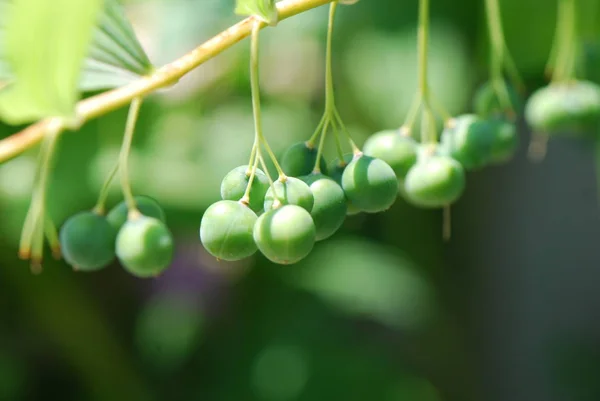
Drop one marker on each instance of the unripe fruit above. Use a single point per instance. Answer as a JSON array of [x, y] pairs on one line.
[[469, 140], [564, 107], [145, 204], [486, 102], [87, 241], [394, 148], [337, 167], [329, 209], [144, 246], [226, 230], [506, 140], [285, 235], [292, 191], [233, 186], [299, 160], [370, 184], [435, 180]]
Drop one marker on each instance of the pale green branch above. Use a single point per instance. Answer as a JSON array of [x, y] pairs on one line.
[[108, 101]]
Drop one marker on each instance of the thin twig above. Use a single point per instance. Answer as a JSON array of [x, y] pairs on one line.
[[169, 74]]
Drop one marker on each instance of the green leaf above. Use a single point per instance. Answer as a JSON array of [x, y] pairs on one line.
[[264, 9], [115, 57], [45, 43]]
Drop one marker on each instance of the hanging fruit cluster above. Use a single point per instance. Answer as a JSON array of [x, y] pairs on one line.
[[283, 217]]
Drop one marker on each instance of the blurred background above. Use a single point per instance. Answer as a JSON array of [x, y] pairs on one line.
[[508, 309]]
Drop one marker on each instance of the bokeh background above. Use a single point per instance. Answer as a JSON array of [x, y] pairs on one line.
[[385, 310]]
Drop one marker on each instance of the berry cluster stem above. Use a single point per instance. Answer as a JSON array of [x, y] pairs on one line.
[[132, 117], [105, 102], [37, 223], [427, 128], [564, 53]]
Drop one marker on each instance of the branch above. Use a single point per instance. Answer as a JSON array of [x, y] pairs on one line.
[[108, 101]]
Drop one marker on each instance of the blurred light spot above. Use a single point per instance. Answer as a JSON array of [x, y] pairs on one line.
[[16, 177], [280, 373], [362, 278], [383, 74], [167, 330]]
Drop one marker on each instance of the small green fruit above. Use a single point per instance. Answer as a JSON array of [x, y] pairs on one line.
[[285, 235], [486, 102], [434, 181], [299, 160], [87, 241], [233, 186], [226, 230], [565, 107], [337, 167], [469, 140], [506, 140], [330, 207], [394, 148], [292, 191], [145, 246], [145, 204], [370, 184]]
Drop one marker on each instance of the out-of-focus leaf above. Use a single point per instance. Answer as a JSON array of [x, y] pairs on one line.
[[115, 56], [45, 44], [264, 9]]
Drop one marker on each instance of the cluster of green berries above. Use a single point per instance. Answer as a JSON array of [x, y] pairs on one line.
[[284, 220], [140, 239]]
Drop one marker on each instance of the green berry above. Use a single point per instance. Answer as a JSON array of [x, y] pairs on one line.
[[292, 191], [299, 160], [394, 148], [87, 241], [436, 180], [370, 184], [337, 167], [145, 204], [330, 207], [144, 246], [506, 140], [469, 139], [486, 102], [233, 186], [565, 107], [285, 235], [226, 230]]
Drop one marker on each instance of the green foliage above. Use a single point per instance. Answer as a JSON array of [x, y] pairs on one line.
[[45, 56], [264, 9]]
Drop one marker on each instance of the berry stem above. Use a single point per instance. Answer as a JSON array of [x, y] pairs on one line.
[[100, 207], [500, 56], [338, 120], [565, 53], [132, 117], [329, 90], [255, 87], [32, 235], [317, 168], [253, 164], [166, 75], [311, 142], [427, 130], [338, 142], [412, 114]]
